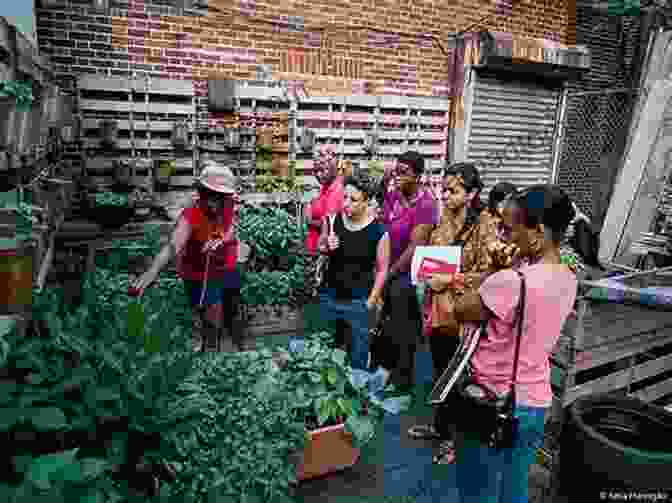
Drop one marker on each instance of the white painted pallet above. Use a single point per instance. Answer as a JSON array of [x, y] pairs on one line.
[[145, 111]]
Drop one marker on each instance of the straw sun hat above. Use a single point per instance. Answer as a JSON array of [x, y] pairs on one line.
[[217, 178]]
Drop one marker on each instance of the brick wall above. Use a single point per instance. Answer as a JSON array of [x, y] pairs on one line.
[[333, 46]]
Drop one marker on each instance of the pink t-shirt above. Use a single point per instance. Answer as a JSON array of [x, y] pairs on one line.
[[550, 295]]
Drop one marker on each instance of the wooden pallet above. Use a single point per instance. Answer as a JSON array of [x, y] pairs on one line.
[[403, 123], [618, 347], [146, 112]]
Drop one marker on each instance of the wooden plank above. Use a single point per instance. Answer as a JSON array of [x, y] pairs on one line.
[[655, 391], [362, 101], [652, 368], [109, 84], [136, 107], [317, 100], [611, 353], [325, 116], [125, 125], [609, 322], [166, 87], [429, 104], [259, 92], [182, 181], [125, 144], [620, 379], [398, 149]]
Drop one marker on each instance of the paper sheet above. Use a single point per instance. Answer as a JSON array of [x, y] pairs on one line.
[[448, 254]]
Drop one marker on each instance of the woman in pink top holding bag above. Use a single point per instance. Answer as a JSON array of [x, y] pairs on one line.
[[536, 221]]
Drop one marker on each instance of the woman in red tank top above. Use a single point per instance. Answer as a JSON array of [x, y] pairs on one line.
[[206, 249]]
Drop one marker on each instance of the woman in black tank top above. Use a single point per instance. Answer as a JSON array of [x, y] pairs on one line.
[[358, 250]]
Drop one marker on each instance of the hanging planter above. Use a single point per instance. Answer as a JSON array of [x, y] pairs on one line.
[[109, 131], [16, 271], [180, 136], [234, 138], [164, 170], [7, 105], [307, 141], [371, 143]]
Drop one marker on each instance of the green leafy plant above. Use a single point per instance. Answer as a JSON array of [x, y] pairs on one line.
[[21, 91], [376, 168], [111, 199], [276, 273], [329, 392]]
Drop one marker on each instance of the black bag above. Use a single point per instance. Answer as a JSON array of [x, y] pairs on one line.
[[476, 409]]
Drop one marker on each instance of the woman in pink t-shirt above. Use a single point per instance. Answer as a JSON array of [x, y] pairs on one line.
[[536, 221]]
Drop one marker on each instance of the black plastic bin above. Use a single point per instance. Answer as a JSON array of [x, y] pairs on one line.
[[615, 444]]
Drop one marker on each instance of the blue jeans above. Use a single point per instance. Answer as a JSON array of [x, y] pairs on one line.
[[355, 312], [487, 476]]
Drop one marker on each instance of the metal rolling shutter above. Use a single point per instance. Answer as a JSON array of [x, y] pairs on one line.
[[511, 133]]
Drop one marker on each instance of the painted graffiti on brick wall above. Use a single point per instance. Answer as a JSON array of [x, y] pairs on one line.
[[525, 144]]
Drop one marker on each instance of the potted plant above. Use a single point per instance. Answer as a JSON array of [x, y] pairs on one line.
[[110, 209], [340, 407]]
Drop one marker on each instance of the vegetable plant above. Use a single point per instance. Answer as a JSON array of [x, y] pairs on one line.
[[111, 199], [329, 392], [21, 91]]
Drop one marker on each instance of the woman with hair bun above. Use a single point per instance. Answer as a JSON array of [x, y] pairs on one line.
[[460, 225], [536, 222]]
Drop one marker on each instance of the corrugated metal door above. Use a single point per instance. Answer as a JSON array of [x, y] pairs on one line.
[[511, 131]]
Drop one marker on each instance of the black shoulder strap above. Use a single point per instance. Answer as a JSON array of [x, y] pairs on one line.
[[521, 320]]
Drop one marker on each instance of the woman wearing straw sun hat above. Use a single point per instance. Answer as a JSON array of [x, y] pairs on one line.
[[206, 249]]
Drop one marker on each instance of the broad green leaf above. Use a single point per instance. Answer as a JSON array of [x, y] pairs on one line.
[[72, 472], [106, 394], [93, 497], [9, 417], [345, 406], [338, 356], [22, 463], [332, 376], [93, 468], [48, 419], [362, 429], [44, 467]]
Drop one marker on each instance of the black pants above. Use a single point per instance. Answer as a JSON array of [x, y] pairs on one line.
[[401, 332], [443, 348]]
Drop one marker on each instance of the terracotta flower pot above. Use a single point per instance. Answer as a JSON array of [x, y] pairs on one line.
[[327, 450], [280, 166]]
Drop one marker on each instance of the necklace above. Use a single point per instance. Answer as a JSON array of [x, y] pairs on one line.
[[353, 227]]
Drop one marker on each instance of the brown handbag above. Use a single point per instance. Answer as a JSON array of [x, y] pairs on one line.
[[440, 314]]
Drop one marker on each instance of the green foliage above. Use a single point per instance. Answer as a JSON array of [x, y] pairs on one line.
[[275, 237], [326, 393], [376, 168], [125, 250], [112, 199], [21, 91]]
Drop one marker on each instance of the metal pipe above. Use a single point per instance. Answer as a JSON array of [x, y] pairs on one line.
[[559, 135]]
